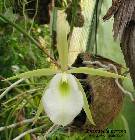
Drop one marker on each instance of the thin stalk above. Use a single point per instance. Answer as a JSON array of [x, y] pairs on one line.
[[37, 2], [10, 87], [22, 94], [28, 132], [20, 123]]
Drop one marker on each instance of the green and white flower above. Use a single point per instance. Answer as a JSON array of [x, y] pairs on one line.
[[62, 100]]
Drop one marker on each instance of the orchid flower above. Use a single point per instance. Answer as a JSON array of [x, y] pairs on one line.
[[62, 100], [64, 97]]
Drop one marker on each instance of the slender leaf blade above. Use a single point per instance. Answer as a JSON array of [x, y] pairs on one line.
[[86, 105], [120, 124], [39, 111], [96, 72], [34, 73]]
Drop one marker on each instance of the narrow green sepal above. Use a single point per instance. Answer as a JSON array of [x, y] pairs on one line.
[[62, 42], [96, 72], [34, 73], [86, 105]]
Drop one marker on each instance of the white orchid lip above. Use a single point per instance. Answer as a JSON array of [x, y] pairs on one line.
[[62, 100], [64, 88]]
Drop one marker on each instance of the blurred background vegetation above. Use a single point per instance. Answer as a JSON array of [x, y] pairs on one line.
[[18, 54]]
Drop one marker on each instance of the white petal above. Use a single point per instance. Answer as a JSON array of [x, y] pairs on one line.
[[55, 80], [63, 109], [72, 81]]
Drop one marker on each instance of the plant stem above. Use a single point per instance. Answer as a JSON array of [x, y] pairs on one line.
[[28, 131], [50, 130], [11, 87], [20, 123]]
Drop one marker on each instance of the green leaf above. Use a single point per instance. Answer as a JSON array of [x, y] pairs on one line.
[[40, 107], [98, 72], [127, 136], [86, 105], [39, 111], [62, 43], [34, 73], [27, 137], [120, 123]]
